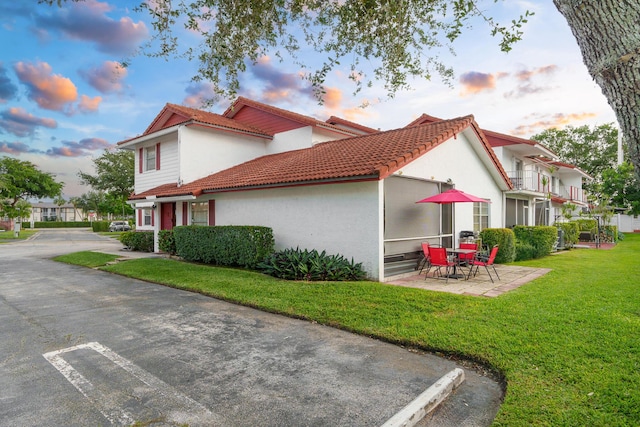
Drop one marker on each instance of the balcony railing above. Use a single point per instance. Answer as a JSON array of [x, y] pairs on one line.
[[539, 183]]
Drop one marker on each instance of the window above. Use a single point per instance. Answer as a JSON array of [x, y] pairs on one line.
[[146, 213], [150, 158], [480, 216], [200, 213]]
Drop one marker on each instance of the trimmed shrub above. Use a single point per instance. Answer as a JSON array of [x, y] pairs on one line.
[[525, 251], [141, 241], [229, 245], [57, 224], [295, 264], [100, 226], [541, 237], [506, 241], [167, 241]]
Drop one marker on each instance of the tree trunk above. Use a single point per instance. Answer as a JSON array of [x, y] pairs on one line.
[[608, 33]]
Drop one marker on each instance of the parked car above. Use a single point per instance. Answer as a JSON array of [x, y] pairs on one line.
[[119, 226]]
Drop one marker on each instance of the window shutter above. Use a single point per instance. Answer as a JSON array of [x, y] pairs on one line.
[[185, 213], [140, 217], [158, 156], [212, 212], [153, 216], [140, 159]]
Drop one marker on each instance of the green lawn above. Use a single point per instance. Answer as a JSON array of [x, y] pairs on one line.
[[567, 345], [8, 236]]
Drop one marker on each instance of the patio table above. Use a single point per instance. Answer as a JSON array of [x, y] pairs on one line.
[[457, 252]]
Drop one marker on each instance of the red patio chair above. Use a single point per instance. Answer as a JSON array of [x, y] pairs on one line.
[[479, 262], [424, 262], [438, 259], [466, 259]]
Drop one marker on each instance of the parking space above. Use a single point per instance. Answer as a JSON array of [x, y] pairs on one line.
[[83, 347]]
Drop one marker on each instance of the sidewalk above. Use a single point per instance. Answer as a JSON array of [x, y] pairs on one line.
[[511, 277]]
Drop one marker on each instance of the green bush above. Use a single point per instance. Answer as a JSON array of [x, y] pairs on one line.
[[609, 233], [141, 241], [295, 264], [525, 251], [100, 226], [587, 224], [230, 245], [167, 242], [571, 233], [542, 237], [504, 238], [57, 224]]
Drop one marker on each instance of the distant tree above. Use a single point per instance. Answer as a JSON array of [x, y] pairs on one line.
[[22, 180], [620, 188], [593, 150], [94, 201], [59, 202], [114, 175]]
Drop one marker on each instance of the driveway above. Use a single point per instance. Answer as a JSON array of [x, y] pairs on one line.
[[82, 347]]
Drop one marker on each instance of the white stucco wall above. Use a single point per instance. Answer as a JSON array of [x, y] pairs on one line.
[[204, 151], [457, 161], [340, 218]]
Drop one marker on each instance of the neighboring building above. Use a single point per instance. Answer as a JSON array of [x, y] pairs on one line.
[[541, 183], [334, 186], [41, 212]]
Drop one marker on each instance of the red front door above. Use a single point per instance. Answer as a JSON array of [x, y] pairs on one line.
[[168, 214]]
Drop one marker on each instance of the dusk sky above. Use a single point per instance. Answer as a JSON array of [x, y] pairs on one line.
[[64, 98]]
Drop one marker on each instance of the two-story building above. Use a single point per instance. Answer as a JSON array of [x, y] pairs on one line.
[[541, 183], [334, 185]]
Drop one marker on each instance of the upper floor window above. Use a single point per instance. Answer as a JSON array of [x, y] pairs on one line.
[[480, 216], [150, 158]]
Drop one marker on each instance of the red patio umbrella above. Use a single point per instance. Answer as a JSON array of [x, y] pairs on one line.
[[453, 196], [450, 197]]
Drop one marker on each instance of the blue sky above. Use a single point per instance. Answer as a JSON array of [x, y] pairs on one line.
[[64, 98]]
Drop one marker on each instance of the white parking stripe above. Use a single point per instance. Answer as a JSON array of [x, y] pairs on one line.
[[184, 406]]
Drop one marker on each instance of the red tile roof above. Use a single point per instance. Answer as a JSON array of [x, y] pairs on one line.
[[173, 114], [337, 121], [241, 102], [366, 157]]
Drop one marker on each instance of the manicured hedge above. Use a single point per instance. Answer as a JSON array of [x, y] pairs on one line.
[[100, 226], [506, 241], [229, 245], [57, 224], [541, 237], [167, 242], [141, 241]]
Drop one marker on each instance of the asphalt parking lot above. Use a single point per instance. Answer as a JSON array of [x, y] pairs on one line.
[[83, 347]]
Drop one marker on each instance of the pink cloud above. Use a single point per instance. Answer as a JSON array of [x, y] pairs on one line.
[[49, 91], [106, 78], [15, 148], [20, 123], [78, 149], [89, 105], [475, 82], [553, 121], [88, 21]]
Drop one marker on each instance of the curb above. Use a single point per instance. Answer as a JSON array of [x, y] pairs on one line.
[[426, 402]]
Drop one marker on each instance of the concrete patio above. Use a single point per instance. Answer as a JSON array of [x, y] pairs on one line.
[[511, 277]]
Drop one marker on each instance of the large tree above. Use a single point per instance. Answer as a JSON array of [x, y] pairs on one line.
[[114, 176], [20, 181], [593, 150], [396, 36]]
